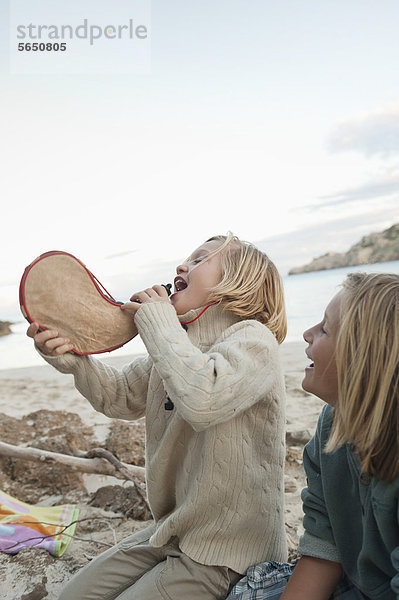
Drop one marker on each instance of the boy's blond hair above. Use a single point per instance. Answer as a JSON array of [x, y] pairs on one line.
[[367, 357], [251, 286]]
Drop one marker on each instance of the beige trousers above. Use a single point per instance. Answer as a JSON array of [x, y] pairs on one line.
[[134, 570]]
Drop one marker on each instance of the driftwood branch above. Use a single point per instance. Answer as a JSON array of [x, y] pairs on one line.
[[122, 468], [101, 466], [97, 460]]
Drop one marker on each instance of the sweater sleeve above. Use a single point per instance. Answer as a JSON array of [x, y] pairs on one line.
[[119, 394], [211, 387], [318, 539]]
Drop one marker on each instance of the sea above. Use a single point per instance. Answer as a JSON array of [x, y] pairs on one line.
[[307, 296]]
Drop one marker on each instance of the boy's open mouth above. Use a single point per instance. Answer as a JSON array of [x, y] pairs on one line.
[[180, 284]]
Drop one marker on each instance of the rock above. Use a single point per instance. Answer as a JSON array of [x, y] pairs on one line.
[[34, 574], [62, 432], [126, 440], [298, 438], [373, 248], [5, 328], [118, 499], [38, 593], [290, 485], [293, 455], [56, 431]]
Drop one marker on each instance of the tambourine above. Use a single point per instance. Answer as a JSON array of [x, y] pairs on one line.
[[58, 292]]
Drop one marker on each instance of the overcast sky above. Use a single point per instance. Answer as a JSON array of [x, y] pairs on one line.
[[276, 120]]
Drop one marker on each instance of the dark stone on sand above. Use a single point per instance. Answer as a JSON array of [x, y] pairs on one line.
[[5, 328]]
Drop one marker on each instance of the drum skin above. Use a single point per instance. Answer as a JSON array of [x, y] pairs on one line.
[[58, 292]]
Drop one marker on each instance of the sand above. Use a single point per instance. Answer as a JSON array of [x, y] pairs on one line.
[[32, 400]]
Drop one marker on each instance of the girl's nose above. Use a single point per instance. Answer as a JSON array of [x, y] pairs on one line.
[[181, 268]]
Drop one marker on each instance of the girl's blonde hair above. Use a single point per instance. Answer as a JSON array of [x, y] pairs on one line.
[[367, 357], [251, 286]]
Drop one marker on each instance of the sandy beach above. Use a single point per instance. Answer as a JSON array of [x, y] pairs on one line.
[[34, 402]]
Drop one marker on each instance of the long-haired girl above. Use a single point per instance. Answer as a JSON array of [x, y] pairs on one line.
[[350, 548]]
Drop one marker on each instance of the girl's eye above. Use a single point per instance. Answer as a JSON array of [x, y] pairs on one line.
[[323, 330], [196, 261]]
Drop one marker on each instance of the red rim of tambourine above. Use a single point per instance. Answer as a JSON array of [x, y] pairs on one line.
[[100, 288]]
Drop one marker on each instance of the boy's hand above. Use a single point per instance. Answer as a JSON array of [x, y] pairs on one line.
[[48, 341], [157, 293]]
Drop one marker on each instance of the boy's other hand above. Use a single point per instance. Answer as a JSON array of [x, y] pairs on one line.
[[157, 293], [48, 341]]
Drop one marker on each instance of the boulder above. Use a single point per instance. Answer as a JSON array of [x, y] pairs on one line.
[[5, 328]]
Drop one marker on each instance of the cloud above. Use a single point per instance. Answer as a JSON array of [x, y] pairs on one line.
[[375, 133], [119, 254], [378, 188]]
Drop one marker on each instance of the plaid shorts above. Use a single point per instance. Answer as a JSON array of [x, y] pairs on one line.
[[267, 581]]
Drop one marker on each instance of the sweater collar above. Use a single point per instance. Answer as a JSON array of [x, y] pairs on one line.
[[205, 324]]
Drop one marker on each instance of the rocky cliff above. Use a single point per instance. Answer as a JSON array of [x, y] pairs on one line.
[[373, 248]]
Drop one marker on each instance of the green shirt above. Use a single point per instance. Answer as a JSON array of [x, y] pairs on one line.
[[350, 517]]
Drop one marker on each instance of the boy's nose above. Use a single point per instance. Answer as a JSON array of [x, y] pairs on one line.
[[307, 336]]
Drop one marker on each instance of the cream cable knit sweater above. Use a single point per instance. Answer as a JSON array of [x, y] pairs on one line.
[[215, 462]]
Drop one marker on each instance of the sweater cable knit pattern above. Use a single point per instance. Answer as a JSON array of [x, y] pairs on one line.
[[215, 462]]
